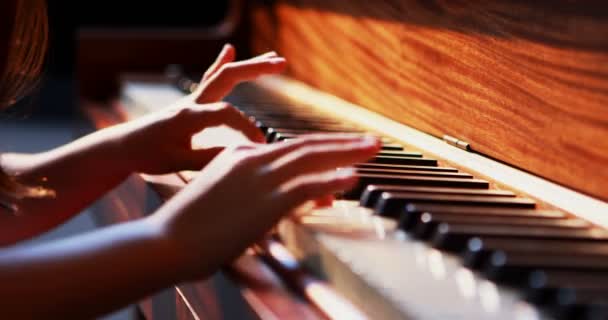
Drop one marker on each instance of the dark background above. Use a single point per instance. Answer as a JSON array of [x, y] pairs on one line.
[[56, 96]]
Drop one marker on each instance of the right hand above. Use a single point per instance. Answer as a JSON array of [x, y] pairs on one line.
[[242, 193], [168, 132]]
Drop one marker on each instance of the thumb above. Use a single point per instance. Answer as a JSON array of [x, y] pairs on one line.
[[199, 158]]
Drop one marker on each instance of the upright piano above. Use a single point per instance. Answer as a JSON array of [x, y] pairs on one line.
[[488, 198]]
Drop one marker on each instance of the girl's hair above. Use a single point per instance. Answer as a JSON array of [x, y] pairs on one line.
[[25, 50], [23, 44]]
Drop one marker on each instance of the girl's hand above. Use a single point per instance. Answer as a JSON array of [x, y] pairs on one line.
[[161, 142], [224, 73], [242, 193]]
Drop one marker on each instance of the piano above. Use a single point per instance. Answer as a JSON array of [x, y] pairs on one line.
[[488, 198]]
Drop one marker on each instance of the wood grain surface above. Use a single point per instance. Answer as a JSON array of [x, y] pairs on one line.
[[525, 82]]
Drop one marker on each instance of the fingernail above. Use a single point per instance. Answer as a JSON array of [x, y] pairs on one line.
[[276, 60], [345, 173]]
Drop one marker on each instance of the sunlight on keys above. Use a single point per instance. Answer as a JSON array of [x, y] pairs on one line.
[[219, 136], [524, 311], [420, 255], [490, 299], [436, 264], [346, 219], [466, 283], [332, 304]]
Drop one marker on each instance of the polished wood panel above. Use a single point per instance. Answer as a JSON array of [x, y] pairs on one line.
[[525, 82]]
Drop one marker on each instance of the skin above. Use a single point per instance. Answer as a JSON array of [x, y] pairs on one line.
[[201, 228]]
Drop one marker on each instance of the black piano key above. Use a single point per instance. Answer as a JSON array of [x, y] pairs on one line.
[[483, 210], [411, 213], [366, 179], [400, 153], [278, 134], [264, 128], [454, 237], [404, 160], [315, 129], [422, 173], [515, 267], [372, 192], [284, 119], [569, 295], [272, 135], [478, 250], [545, 286], [571, 307], [428, 222], [392, 203], [391, 146], [368, 165]]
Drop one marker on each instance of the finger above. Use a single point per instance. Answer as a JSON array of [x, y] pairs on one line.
[[271, 54], [324, 201], [213, 115], [221, 82], [320, 158], [280, 149], [199, 158], [315, 187], [228, 54]]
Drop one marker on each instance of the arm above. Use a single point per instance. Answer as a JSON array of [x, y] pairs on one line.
[[77, 173], [85, 276], [80, 172], [201, 228]]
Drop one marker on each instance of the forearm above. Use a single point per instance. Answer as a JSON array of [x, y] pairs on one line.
[[78, 173], [88, 275]]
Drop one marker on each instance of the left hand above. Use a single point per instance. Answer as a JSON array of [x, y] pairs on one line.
[[161, 141], [225, 73]]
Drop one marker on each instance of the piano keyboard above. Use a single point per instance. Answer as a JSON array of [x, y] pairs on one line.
[[418, 239]]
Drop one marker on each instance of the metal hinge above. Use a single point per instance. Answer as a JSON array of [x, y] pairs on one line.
[[457, 143]]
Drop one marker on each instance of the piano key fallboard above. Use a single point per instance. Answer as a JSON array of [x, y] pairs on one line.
[[420, 238]]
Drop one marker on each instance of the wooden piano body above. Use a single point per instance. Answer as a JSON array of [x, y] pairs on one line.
[[523, 82], [519, 89]]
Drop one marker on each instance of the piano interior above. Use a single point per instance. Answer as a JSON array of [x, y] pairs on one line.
[[488, 198]]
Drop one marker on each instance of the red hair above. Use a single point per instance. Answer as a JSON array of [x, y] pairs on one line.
[[23, 44], [25, 37]]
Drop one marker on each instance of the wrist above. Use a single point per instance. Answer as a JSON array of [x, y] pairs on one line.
[[162, 246], [120, 145]]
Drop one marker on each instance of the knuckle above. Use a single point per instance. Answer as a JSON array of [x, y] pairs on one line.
[[226, 108], [225, 105], [219, 106], [179, 113], [226, 69]]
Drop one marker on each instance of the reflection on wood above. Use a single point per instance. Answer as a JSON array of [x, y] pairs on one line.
[[523, 82]]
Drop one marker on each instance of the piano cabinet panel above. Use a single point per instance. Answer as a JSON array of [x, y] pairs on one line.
[[525, 82]]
